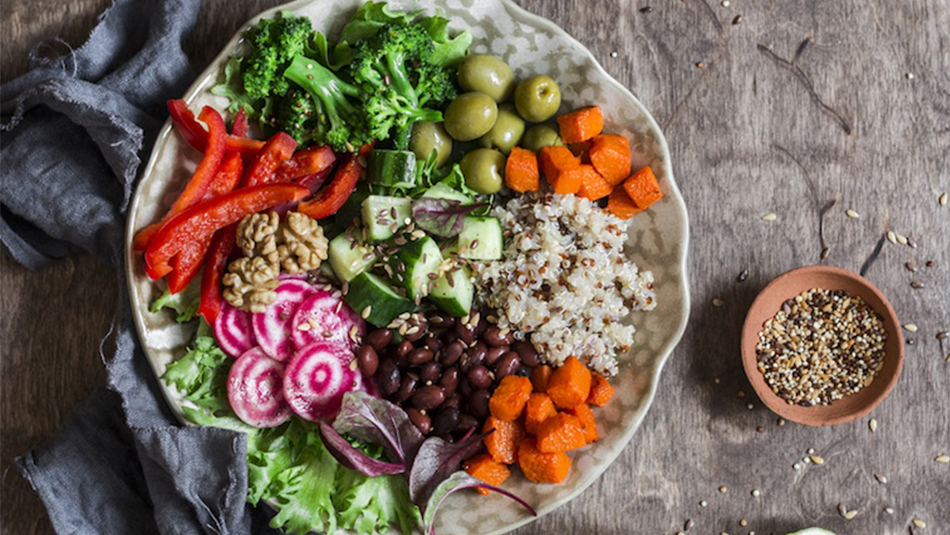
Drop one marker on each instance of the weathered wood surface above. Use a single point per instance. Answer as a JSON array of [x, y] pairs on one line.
[[799, 103]]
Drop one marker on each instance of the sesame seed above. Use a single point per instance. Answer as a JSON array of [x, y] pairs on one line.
[[756, 493], [725, 3], [769, 217], [797, 466], [901, 239], [737, 19], [723, 489], [743, 522], [889, 510], [717, 302], [920, 523], [817, 459], [850, 515], [613, 54], [703, 503], [881, 479], [912, 327], [367, 311], [909, 76], [872, 425], [303, 327], [891, 237], [944, 197], [945, 459], [852, 214]]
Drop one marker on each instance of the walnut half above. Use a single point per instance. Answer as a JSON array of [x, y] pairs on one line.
[[257, 236], [250, 283], [302, 243]]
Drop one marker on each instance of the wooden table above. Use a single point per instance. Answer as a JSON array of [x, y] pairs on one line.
[[769, 107]]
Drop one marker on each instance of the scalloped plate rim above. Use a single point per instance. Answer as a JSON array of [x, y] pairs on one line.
[[213, 70]]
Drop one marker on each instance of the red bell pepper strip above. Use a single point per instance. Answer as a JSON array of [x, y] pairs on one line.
[[330, 198], [197, 224], [197, 137], [186, 265], [304, 162], [199, 182], [228, 176], [278, 149], [240, 125], [222, 245]]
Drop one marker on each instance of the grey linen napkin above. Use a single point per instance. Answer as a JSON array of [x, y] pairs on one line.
[[76, 130]]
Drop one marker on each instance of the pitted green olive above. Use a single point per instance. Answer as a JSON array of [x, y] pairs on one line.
[[484, 170], [428, 137], [537, 98], [507, 131], [488, 74], [540, 136], [470, 116]]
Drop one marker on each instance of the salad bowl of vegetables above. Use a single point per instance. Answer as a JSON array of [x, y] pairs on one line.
[[309, 242]]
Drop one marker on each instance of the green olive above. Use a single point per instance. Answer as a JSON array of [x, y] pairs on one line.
[[428, 137], [540, 136], [507, 131], [484, 170], [488, 74], [537, 98], [469, 116]]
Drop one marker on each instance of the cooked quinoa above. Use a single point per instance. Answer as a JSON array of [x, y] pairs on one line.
[[565, 281]]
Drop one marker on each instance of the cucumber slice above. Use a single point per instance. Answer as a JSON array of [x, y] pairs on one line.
[[391, 168], [480, 239], [442, 191], [414, 262], [383, 216], [375, 300], [453, 292], [349, 256]]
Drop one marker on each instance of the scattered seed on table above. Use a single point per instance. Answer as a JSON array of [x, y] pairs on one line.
[[817, 459], [756, 493], [717, 302], [781, 422], [740, 394], [743, 275], [880, 479], [852, 214], [743, 522], [703, 503], [911, 242], [889, 510], [725, 3], [944, 197], [716, 380], [917, 285], [723, 489], [912, 327], [700, 64], [646, 9], [910, 76], [920, 523], [842, 510], [797, 466], [891, 237], [825, 252], [760, 429], [688, 525], [737, 19], [929, 263], [910, 266], [872, 425], [911, 342], [850, 514], [769, 217], [943, 459], [942, 335], [811, 451], [750, 406]]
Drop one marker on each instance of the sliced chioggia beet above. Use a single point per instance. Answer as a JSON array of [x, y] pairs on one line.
[[272, 327], [256, 390], [317, 377], [325, 317], [232, 331]]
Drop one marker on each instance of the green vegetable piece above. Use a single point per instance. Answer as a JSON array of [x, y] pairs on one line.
[[539, 136], [375, 300], [185, 303], [488, 74], [470, 116], [428, 137], [446, 50], [506, 132], [453, 292], [484, 170], [392, 169], [537, 98]]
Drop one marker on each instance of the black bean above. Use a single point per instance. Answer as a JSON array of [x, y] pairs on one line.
[[495, 353], [406, 389], [465, 334], [428, 397], [367, 359], [508, 365], [478, 403], [527, 353], [402, 351], [445, 421], [418, 357], [450, 355], [415, 334], [465, 388], [422, 422], [388, 377], [466, 422], [475, 355], [433, 344], [379, 338], [481, 326], [430, 372], [455, 400], [450, 381], [493, 335], [479, 376], [440, 320]]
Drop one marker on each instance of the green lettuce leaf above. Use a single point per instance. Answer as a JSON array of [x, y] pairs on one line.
[[448, 50], [201, 375], [232, 87], [185, 303]]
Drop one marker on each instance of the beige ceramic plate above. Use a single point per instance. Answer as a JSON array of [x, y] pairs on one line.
[[657, 238]]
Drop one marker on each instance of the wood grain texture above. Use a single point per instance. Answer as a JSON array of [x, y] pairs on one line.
[[800, 103]]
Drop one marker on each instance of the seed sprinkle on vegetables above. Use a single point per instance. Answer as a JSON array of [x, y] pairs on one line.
[[821, 346]]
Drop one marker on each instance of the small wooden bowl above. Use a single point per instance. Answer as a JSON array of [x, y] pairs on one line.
[[787, 286]]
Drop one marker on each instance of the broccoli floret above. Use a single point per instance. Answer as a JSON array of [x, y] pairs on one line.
[[341, 120], [297, 116], [393, 68], [274, 43]]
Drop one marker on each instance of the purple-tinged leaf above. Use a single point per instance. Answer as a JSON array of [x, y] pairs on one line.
[[380, 422], [441, 217], [350, 457], [458, 481], [436, 461]]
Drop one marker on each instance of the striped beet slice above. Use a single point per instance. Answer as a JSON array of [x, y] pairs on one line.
[[272, 328], [316, 379], [256, 390], [232, 331], [324, 317]]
